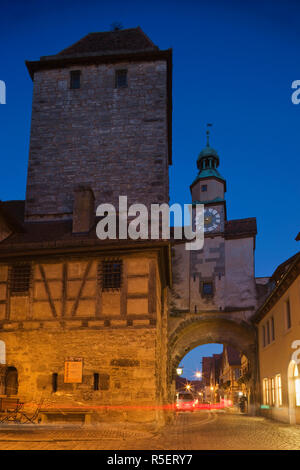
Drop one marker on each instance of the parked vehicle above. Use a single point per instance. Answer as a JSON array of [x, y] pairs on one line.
[[186, 402]]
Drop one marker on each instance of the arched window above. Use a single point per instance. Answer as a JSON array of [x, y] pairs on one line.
[[2, 353], [297, 385]]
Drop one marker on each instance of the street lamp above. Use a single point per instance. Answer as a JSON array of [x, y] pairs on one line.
[[179, 370], [198, 375]]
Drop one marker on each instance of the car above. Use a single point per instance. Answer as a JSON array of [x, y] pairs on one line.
[[185, 401]]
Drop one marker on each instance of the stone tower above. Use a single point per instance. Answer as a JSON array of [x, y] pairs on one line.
[[101, 127], [101, 120]]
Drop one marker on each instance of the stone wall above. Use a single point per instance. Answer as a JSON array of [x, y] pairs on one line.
[[113, 140], [124, 358], [229, 264], [121, 335]]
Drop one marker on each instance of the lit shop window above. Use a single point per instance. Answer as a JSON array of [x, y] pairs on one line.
[[273, 391], [297, 385], [278, 390], [266, 391]]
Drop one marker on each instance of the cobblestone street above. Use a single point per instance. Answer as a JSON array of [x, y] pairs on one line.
[[190, 431]]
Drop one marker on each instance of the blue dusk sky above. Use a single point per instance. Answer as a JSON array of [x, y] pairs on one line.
[[234, 63]]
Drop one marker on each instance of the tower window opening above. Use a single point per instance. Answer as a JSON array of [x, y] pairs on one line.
[[121, 79], [207, 289], [75, 79], [204, 188]]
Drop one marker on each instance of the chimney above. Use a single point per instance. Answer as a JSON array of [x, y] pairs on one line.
[[83, 209]]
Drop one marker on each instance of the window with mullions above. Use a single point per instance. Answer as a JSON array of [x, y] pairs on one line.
[[111, 274], [19, 279]]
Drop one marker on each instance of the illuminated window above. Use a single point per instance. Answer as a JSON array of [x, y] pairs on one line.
[[297, 385], [266, 391], [75, 79], [273, 391], [278, 390]]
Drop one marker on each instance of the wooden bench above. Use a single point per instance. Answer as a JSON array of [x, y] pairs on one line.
[[65, 416]]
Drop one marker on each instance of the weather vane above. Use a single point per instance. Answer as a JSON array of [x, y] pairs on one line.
[[208, 133]]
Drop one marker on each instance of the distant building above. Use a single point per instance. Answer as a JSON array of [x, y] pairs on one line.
[[230, 373], [210, 373], [279, 344]]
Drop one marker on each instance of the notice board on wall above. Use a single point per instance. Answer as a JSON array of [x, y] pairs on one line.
[[73, 371]]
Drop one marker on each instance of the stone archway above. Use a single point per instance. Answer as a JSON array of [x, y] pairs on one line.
[[293, 375], [205, 329]]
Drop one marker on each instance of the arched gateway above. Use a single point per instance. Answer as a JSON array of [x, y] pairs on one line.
[[210, 328], [214, 291]]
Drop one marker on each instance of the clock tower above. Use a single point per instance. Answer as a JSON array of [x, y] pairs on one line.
[[220, 276], [209, 188]]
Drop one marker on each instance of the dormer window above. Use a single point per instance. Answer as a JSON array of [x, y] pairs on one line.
[[75, 79]]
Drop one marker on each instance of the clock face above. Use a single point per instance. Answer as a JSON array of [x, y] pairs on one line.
[[212, 220]]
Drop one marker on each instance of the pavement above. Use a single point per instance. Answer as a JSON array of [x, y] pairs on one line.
[[200, 430]]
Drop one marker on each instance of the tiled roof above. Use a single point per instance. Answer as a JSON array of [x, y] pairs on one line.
[[281, 280], [240, 226], [283, 268], [110, 42], [55, 234], [13, 213]]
